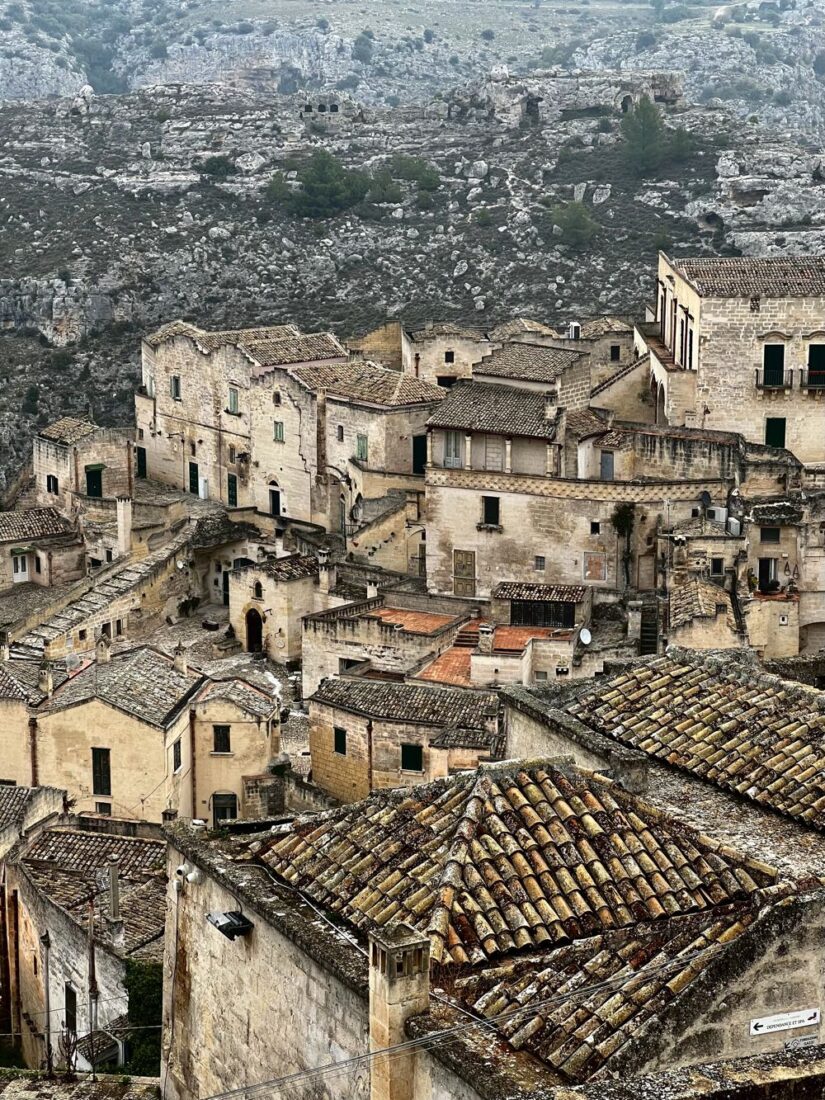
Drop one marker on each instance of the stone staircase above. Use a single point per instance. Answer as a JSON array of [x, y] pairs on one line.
[[467, 637], [649, 634]]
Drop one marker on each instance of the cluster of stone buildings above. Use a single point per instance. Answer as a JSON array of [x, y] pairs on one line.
[[433, 716]]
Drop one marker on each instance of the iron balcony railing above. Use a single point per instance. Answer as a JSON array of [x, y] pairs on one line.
[[812, 379], [771, 379]]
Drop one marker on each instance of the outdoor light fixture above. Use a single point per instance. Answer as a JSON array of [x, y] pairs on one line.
[[231, 925]]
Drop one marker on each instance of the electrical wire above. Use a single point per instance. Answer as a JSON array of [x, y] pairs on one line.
[[451, 1033]]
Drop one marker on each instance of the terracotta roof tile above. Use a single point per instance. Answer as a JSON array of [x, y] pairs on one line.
[[521, 325], [745, 276], [518, 590], [67, 430], [370, 383], [732, 725], [698, 598], [414, 622], [488, 407], [450, 667], [509, 858], [528, 362], [400, 702], [33, 523]]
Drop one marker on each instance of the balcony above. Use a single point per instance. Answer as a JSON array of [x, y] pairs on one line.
[[771, 379], [812, 380]]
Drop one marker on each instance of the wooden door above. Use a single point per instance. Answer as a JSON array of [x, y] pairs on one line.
[[464, 573], [193, 478]]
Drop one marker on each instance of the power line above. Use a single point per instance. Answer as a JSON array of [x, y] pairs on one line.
[[451, 1033]]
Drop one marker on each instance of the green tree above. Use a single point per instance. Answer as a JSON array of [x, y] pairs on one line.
[[326, 188], [144, 986], [384, 188], [576, 224], [362, 49], [30, 401], [219, 166], [623, 519], [643, 134], [681, 145]]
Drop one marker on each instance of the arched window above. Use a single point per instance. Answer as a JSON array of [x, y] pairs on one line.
[[258, 590]]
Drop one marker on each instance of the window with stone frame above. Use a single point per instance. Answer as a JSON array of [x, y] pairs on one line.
[[339, 740], [234, 400], [177, 756], [412, 758], [52, 484], [491, 511], [175, 387], [361, 447], [615, 353], [449, 356], [278, 431], [221, 740]]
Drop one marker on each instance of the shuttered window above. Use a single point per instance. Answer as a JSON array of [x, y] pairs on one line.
[[101, 771]]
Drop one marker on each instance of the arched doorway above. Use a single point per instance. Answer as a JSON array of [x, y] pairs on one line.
[[661, 420], [254, 631]]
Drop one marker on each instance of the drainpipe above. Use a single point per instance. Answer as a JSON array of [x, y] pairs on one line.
[[16, 939], [369, 753], [33, 749], [45, 939], [192, 760], [93, 989]]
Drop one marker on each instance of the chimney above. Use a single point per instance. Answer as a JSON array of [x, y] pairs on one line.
[[114, 890], [326, 572], [45, 680], [103, 650], [634, 620], [180, 659], [486, 633], [5, 649], [551, 406], [399, 989], [124, 525], [372, 590], [680, 560]]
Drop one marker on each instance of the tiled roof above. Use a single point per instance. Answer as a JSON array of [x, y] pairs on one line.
[[368, 382], [584, 422], [292, 568], [410, 702], [143, 682], [530, 362], [513, 857], [524, 590], [77, 850], [453, 666], [33, 523], [745, 277], [208, 341], [518, 326], [300, 348], [67, 430], [13, 802], [242, 694], [487, 407], [635, 977], [697, 598], [413, 622], [732, 725], [10, 689], [604, 326], [447, 328]]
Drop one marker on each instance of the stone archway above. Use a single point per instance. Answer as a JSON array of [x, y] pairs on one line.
[[254, 631], [661, 419]]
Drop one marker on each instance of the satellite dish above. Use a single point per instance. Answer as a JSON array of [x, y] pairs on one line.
[[585, 637]]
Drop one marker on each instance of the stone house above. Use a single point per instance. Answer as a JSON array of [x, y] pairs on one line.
[[444, 352], [137, 734], [393, 632], [562, 375], [77, 900], [516, 887], [40, 546], [737, 344], [75, 462], [268, 600], [368, 734]]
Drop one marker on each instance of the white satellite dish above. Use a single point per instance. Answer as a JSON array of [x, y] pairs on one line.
[[585, 637]]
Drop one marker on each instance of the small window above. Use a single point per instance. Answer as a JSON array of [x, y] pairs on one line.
[[233, 399], [340, 433], [595, 527], [769, 534], [361, 447], [106, 629], [449, 356], [109, 555], [174, 387], [339, 739], [412, 758], [615, 353], [70, 1009], [278, 431], [119, 628], [193, 449], [232, 490], [258, 590], [140, 433], [452, 450], [539, 563], [220, 739], [276, 397], [101, 771], [51, 484], [103, 808], [717, 567], [490, 511], [176, 756], [541, 676], [38, 568], [81, 635], [775, 431], [232, 453], [446, 381]]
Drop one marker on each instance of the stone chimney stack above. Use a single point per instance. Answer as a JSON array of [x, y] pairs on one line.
[[634, 620], [326, 572], [103, 650], [124, 525], [680, 560], [399, 989], [180, 659], [5, 648], [45, 680], [486, 633], [551, 404], [372, 590]]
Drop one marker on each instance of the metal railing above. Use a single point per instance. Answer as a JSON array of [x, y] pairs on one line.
[[771, 379], [812, 379]]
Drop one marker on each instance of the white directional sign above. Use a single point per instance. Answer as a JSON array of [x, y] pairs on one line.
[[785, 1021]]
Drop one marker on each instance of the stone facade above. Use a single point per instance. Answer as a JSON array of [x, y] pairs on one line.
[[100, 460]]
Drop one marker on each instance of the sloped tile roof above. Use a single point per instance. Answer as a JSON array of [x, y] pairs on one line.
[[518, 326], [292, 568], [500, 410], [13, 802], [300, 348], [67, 430], [514, 857], [634, 977], [208, 341], [410, 702], [745, 277], [524, 590], [604, 326], [244, 695], [732, 725], [77, 850], [11, 689], [697, 598], [529, 362], [33, 523], [143, 682], [447, 328], [368, 382]]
